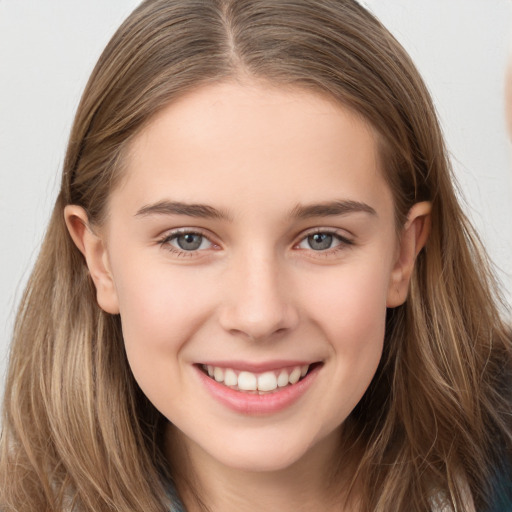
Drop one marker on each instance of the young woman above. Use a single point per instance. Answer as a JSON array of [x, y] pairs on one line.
[[257, 290]]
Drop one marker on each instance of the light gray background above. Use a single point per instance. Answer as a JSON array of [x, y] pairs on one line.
[[48, 48]]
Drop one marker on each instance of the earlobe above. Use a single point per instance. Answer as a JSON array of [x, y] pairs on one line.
[[93, 248], [414, 237]]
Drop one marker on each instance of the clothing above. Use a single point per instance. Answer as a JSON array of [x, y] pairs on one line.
[[503, 492], [177, 505], [502, 503]]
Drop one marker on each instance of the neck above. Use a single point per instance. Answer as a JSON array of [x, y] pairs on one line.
[[314, 482]]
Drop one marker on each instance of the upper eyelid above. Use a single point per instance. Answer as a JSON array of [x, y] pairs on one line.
[[168, 237], [168, 234], [165, 242], [341, 233], [344, 242]]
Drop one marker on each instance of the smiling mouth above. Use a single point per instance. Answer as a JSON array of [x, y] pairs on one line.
[[258, 383]]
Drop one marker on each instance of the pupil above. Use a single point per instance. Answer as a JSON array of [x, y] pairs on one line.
[[190, 241], [320, 241]]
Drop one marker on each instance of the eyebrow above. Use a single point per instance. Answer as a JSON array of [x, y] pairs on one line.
[[331, 209], [204, 211], [166, 207]]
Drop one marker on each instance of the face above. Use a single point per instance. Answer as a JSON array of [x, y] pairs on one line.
[[251, 251]]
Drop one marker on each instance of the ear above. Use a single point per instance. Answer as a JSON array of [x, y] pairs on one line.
[[413, 238], [94, 250]]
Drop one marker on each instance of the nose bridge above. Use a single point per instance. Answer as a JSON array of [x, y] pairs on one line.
[[258, 303]]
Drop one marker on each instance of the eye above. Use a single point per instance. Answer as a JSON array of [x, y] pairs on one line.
[[190, 241], [319, 241], [323, 241], [186, 242]]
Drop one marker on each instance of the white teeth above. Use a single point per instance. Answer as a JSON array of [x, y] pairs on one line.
[[294, 376], [247, 381], [267, 381], [230, 378], [282, 380], [218, 374]]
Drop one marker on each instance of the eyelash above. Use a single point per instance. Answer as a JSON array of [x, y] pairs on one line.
[[343, 244], [165, 241]]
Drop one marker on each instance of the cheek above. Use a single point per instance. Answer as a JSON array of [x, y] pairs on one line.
[[349, 308], [155, 303], [351, 299], [161, 308]]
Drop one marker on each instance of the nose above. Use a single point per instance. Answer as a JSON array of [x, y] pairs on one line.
[[258, 302]]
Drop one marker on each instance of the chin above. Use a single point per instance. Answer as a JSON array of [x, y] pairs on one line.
[[257, 460], [264, 450]]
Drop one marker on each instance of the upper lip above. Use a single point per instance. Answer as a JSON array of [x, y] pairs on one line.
[[259, 367]]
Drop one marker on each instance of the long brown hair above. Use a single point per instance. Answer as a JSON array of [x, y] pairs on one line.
[[78, 434]]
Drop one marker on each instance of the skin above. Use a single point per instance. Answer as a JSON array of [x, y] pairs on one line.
[[255, 290]]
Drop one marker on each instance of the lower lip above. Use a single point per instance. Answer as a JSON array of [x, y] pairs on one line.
[[254, 404]]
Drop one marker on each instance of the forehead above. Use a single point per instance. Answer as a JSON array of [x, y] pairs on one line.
[[232, 140]]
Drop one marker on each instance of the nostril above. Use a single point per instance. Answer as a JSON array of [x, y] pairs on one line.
[[258, 321]]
